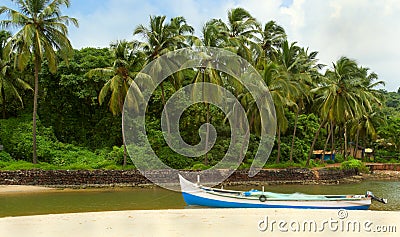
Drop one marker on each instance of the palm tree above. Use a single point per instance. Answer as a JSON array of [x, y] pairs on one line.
[[9, 81], [283, 91], [303, 70], [272, 37], [340, 97], [43, 32], [242, 29], [371, 99], [160, 38], [211, 37], [126, 57]]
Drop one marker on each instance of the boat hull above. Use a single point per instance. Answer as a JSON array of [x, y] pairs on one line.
[[196, 200], [194, 194]]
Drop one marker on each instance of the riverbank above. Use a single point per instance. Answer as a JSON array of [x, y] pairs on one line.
[[37, 180], [206, 222], [22, 185], [95, 178]]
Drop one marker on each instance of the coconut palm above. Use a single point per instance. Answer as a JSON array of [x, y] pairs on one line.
[[242, 29], [9, 80], [305, 72], [298, 67], [211, 37], [161, 37], [340, 97], [371, 99], [283, 91], [272, 37], [42, 33], [126, 57]]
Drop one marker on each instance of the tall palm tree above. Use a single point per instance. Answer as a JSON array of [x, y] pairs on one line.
[[42, 33], [340, 98], [371, 99], [9, 80], [242, 29], [283, 91], [211, 36], [127, 56], [272, 37], [161, 37], [305, 72]]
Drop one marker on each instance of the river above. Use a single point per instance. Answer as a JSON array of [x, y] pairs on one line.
[[154, 198]]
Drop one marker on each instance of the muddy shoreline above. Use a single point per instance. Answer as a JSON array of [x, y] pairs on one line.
[[17, 180]]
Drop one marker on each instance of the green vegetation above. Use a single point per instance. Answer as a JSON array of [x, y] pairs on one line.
[[352, 163], [75, 114]]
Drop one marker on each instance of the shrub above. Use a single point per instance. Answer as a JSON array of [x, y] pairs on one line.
[[4, 156], [24, 165], [354, 164], [330, 162], [385, 156], [117, 156], [200, 166], [282, 165]]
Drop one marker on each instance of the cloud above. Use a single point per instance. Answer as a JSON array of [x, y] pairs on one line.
[[365, 30]]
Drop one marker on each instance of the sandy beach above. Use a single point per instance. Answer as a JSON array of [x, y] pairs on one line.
[[207, 222], [200, 222], [5, 189]]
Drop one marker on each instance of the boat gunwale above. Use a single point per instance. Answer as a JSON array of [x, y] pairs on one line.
[[285, 199]]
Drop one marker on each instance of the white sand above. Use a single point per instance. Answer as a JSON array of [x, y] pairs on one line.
[[4, 189], [202, 222]]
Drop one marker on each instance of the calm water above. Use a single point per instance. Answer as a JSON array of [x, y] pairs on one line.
[[114, 199]]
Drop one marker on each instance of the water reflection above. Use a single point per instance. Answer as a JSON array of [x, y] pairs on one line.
[[114, 199]]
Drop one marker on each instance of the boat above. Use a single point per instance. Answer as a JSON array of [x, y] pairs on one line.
[[196, 194]]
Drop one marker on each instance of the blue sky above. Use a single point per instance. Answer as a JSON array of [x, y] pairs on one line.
[[365, 30]]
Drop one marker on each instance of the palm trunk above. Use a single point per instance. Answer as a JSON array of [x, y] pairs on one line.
[[345, 142], [326, 144], [4, 102], [363, 153], [332, 140], [356, 149], [35, 106], [278, 157], [246, 137], [125, 156], [315, 140], [165, 109], [123, 139], [341, 138], [294, 134], [207, 133]]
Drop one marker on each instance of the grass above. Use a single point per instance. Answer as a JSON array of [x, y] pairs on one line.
[[24, 165]]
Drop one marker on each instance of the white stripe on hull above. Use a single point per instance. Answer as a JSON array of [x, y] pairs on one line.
[[193, 189]]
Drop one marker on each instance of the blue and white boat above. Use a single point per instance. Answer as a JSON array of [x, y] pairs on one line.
[[198, 195]]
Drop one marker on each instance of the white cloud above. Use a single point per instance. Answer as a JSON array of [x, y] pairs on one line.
[[365, 30], [362, 30]]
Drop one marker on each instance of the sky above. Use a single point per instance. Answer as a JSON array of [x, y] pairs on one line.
[[365, 30]]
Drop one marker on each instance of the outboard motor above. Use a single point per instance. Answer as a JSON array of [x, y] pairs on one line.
[[372, 196]]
